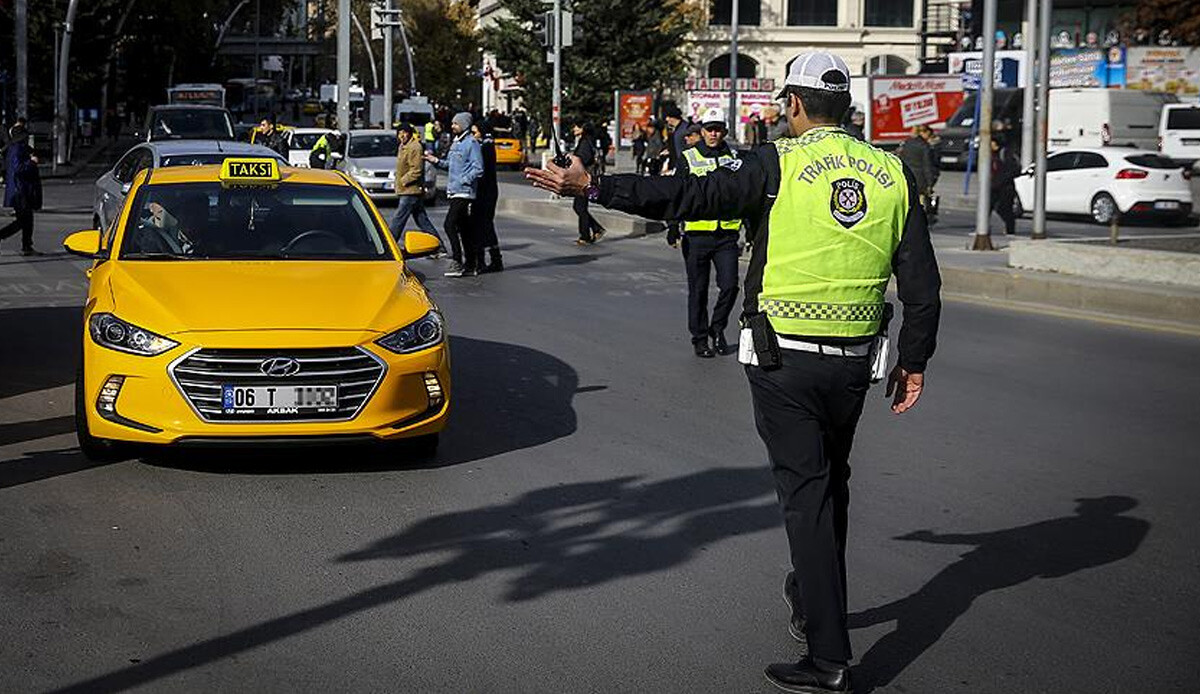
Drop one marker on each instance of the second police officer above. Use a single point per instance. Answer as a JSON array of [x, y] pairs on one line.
[[835, 218], [709, 244]]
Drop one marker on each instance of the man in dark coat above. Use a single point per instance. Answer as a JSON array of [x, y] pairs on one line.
[[1005, 170], [22, 188]]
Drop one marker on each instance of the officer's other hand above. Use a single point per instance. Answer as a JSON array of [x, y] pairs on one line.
[[570, 182], [904, 388]]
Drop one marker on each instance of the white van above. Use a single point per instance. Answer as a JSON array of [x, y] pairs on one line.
[[1098, 117], [1179, 133]]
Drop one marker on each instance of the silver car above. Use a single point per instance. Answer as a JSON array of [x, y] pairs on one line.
[[369, 158], [112, 187]]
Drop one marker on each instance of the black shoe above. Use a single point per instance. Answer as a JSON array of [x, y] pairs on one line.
[[30, 251], [796, 622], [456, 270], [720, 346], [496, 265], [703, 350], [806, 677]]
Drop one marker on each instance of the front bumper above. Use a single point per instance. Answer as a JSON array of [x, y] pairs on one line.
[[152, 409], [378, 188]]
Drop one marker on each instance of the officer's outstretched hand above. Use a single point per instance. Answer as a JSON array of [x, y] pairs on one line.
[[569, 182], [904, 388]]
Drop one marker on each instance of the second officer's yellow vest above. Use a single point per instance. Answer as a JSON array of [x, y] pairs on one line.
[[832, 232], [701, 165]]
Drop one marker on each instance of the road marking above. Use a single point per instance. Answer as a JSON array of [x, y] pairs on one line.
[[1038, 309]]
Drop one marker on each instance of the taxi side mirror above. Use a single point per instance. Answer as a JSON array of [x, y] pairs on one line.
[[418, 244], [84, 243]]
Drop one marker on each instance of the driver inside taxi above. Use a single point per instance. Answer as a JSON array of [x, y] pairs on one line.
[[175, 231]]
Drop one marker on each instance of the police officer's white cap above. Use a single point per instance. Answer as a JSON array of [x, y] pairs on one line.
[[714, 114], [812, 70]]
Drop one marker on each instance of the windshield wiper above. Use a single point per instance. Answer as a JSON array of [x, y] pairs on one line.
[[154, 256]]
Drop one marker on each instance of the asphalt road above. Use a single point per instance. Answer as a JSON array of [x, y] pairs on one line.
[[600, 517]]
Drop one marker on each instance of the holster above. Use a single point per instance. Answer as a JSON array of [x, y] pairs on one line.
[[766, 344]]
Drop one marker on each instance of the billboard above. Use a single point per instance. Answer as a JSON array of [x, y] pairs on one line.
[[1174, 69], [902, 102], [634, 109], [1087, 67]]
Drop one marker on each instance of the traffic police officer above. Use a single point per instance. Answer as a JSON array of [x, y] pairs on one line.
[[835, 217], [709, 243]]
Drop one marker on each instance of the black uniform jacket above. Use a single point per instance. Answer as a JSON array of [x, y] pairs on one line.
[[746, 188]]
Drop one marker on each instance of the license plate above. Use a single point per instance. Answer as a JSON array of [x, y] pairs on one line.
[[265, 400], [949, 160], [1190, 141], [1166, 205]]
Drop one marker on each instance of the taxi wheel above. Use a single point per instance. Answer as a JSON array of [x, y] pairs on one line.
[[93, 448]]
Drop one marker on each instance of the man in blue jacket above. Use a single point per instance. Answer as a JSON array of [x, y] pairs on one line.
[[22, 187], [465, 164]]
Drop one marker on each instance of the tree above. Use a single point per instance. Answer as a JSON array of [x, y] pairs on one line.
[[619, 44]]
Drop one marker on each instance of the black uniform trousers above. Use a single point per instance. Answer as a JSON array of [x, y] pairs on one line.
[[464, 246], [483, 220], [703, 251], [24, 224], [1002, 204], [806, 412]]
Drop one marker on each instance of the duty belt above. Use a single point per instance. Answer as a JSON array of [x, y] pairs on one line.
[[778, 308]]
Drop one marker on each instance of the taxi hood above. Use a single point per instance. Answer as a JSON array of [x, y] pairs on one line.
[[171, 297]]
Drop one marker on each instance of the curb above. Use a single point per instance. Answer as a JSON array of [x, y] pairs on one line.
[[616, 224], [72, 169]]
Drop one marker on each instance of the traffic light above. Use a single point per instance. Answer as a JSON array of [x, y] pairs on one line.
[[543, 28]]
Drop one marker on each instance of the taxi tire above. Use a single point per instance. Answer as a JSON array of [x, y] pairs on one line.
[[93, 448]]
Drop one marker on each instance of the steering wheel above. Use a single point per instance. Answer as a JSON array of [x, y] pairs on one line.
[[310, 234]]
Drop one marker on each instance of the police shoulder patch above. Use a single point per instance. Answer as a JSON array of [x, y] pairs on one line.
[[848, 201]]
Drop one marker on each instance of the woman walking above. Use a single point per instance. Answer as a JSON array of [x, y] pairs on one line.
[[22, 187], [590, 230]]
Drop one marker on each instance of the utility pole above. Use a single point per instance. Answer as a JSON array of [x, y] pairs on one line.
[[556, 103], [1027, 110], [1043, 114], [257, 57], [987, 79], [343, 66], [389, 89], [21, 27], [62, 115], [733, 69]]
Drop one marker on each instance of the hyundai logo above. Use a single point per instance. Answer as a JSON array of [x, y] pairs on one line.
[[280, 367]]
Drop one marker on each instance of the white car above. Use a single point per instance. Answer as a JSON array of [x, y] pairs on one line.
[[370, 159], [112, 187], [300, 142], [1179, 133], [1106, 181]]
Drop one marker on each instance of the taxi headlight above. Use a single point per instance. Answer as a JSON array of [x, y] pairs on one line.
[[109, 331], [424, 333]]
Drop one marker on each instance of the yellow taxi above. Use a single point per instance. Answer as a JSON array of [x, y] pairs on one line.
[[510, 151], [248, 303]]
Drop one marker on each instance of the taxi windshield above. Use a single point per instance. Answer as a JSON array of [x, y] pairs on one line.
[[362, 146], [208, 221]]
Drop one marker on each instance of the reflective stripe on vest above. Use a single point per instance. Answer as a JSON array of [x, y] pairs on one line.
[[701, 165], [833, 230]]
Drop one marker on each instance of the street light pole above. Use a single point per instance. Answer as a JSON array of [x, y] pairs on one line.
[[987, 78], [1027, 110], [21, 28], [556, 103], [733, 69], [1043, 114], [343, 65], [61, 114], [388, 88]]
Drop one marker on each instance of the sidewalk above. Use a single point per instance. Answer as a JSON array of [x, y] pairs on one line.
[[974, 275]]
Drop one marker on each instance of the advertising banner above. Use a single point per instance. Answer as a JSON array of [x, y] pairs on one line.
[[1008, 67], [698, 102], [899, 103], [634, 109], [1087, 67], [1173, 69]]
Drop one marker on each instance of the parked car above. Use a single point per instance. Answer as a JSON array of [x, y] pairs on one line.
[[113, 186], [955, 139], [1179, 133], [1097, 117], [300, 142], [510, 151], [187, 122], [1103, 182]]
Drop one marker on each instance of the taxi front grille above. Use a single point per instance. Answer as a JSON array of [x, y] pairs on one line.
[[203, 374]]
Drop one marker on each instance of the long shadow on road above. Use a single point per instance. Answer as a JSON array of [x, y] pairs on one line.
[[1096, 535], [557, 539]]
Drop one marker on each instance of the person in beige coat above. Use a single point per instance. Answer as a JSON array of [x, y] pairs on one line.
[[410, 185]]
